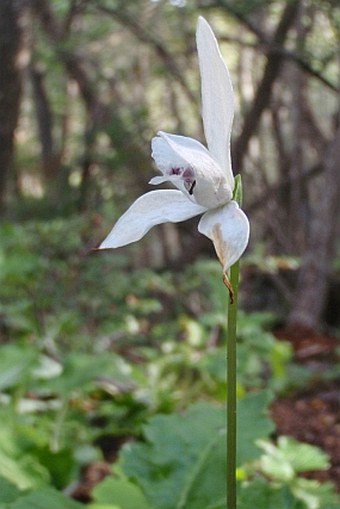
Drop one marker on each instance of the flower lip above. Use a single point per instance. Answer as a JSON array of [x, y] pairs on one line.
[[190, 167], [187, 173]]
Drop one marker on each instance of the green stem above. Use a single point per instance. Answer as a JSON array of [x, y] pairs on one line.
[[231, 390], [60, 419]]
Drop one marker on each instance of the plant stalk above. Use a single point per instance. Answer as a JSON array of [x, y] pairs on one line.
[[231, 389]]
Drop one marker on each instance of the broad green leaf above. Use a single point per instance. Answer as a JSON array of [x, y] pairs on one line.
[[182, 465], [303, 457], [8, 491], [81, 370], [282, 461], [16, 362], [253, 423], [17, 463], [120, 493], [262, 495], [25, 471], [60, 464], [46, 498], [316, 495], [103, 506]]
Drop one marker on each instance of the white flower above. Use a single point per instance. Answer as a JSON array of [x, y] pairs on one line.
[[203, 178]]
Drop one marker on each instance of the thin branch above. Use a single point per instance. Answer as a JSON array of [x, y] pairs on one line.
[[76, 6], [148, 37], [283, 186], [291, 55], [306, 66]]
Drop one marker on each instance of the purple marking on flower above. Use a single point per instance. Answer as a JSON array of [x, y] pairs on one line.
[[175, 171], [186, 173]]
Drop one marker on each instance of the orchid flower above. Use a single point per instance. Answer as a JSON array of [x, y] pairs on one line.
[[203, 177]]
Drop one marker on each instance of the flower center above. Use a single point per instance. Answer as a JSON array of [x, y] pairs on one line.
[[187, 174]]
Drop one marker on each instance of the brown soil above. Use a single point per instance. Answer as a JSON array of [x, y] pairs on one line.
[[313, 415]]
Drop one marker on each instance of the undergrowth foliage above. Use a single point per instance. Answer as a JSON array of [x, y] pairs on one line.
[[91, 350]]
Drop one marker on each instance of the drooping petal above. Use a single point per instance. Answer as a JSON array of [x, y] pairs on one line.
[[217, 97], [148, 210], [189, 165], [228, 228]]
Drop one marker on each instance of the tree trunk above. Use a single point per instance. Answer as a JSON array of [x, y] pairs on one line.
[[313, 281], [102, 115], [49, 158], [298, 199], [11, 64]]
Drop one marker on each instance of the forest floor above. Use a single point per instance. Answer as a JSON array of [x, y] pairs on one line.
[[313, 415]]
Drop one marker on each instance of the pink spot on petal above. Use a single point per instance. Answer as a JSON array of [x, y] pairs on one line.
[[175, 171], [188, 174]]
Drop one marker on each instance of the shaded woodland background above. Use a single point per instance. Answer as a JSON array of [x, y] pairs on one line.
[[112, 364], [85, 84]]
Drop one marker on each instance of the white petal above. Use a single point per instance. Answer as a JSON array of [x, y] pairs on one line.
[[175, 180], [174, 150], [228, 228], [148, 210], [217, 97], [178, 155]]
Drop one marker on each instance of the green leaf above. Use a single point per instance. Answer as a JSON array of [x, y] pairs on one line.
[[183, 462], [103, 506], [26, 472], [253, 423], [81, 370], [262, 495], [17, 463], [315, 494], [303, 457], [46, 498], [8, 491], [182, 465], [289, 457], [60, 464], [120, 493], [16, 362]]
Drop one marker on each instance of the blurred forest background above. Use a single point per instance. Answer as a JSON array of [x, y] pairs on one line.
[[84, 86]]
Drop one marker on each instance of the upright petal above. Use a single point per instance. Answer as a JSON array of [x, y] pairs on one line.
[[217, 97], [189, 165], [228, 228], [148, 210]]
